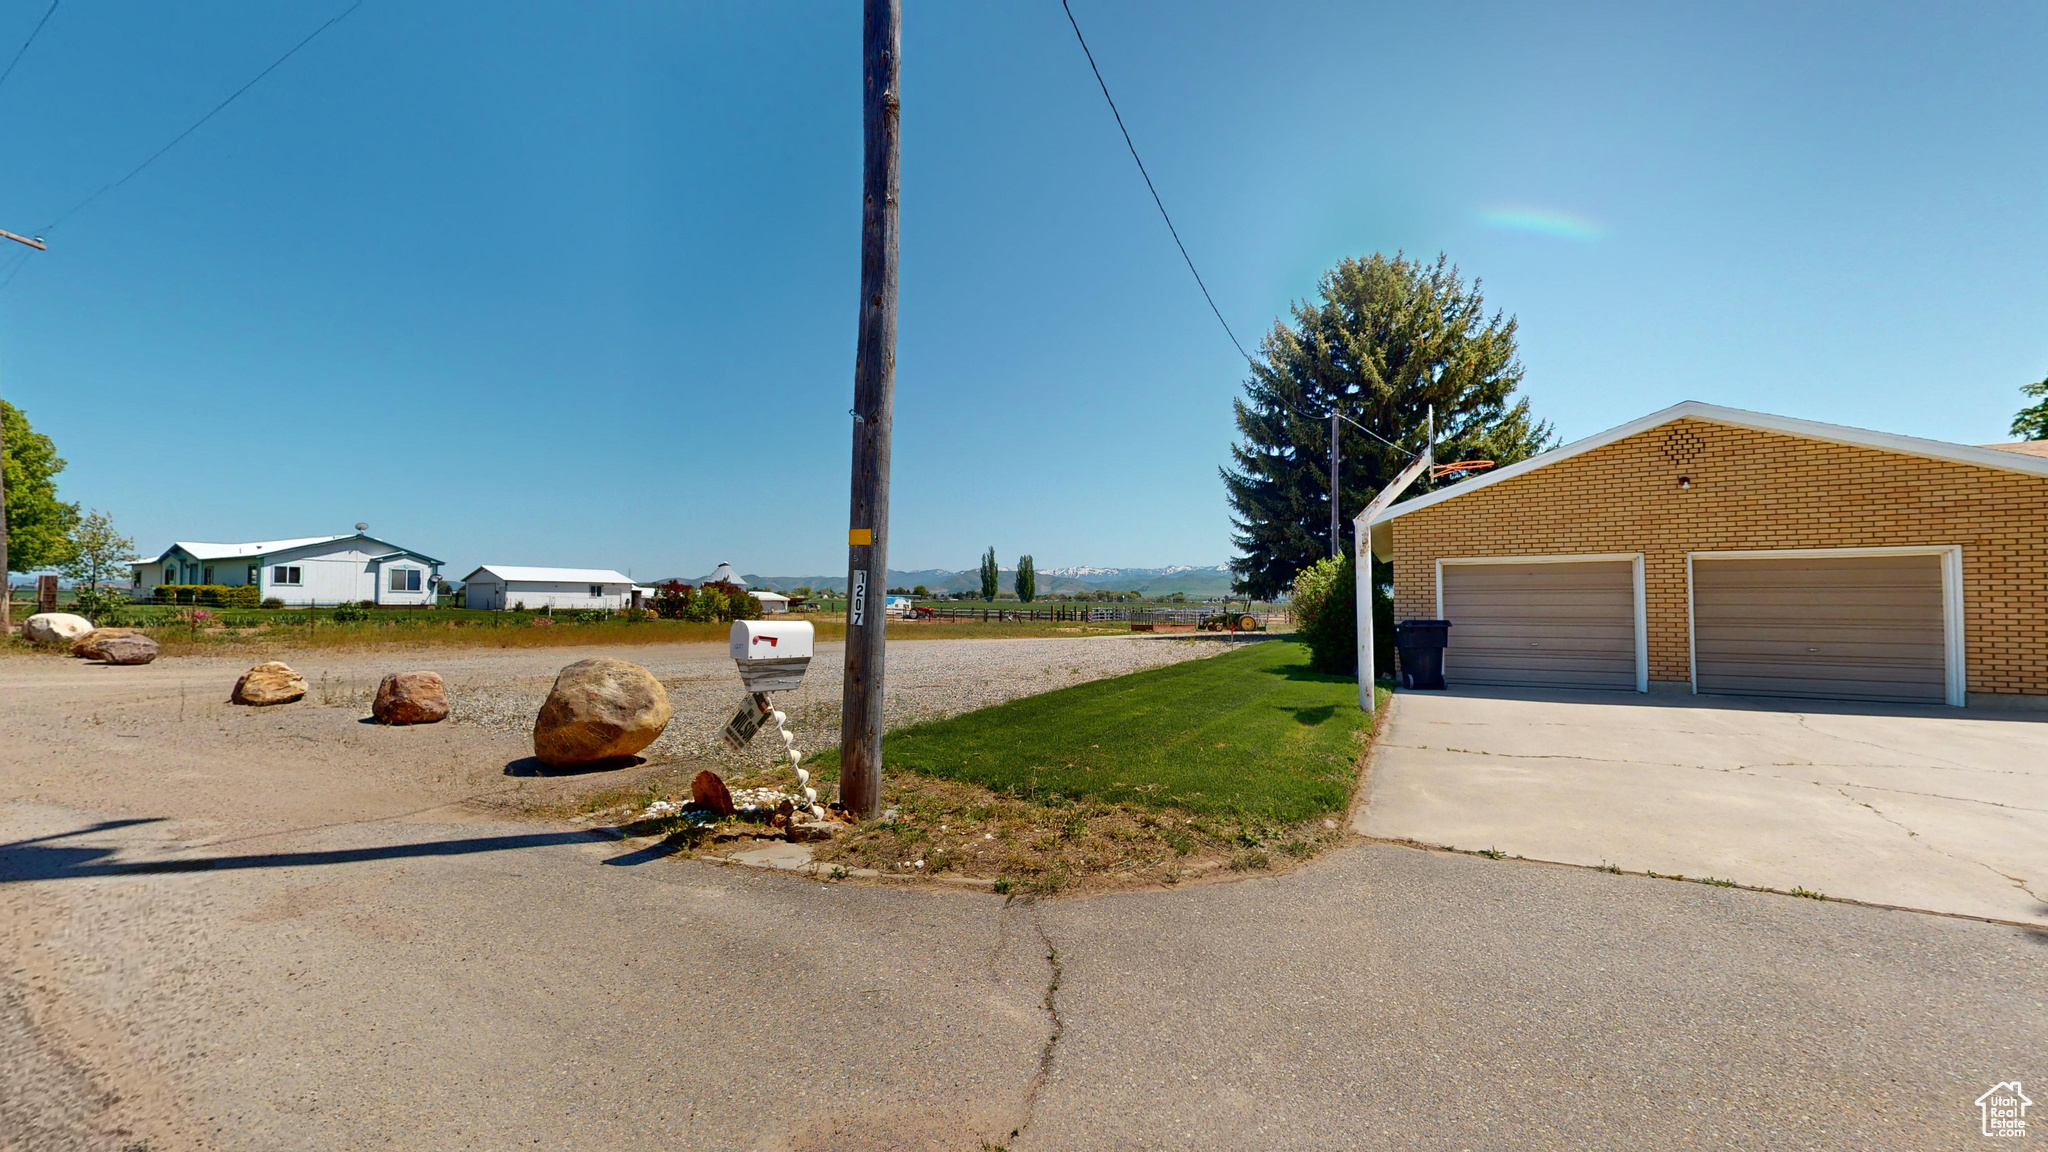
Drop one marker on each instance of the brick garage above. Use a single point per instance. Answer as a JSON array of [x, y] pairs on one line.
[[1943, 545]]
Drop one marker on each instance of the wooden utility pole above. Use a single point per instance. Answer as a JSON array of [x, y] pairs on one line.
[[1336, 489], [874, 402], [6, 581]]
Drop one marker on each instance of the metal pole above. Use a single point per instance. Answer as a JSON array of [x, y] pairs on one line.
[[6, 581], [874, 387], [1336, 548]]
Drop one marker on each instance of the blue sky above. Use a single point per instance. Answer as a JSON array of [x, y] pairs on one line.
[[574, 284]]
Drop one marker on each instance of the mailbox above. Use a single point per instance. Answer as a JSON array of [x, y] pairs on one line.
[[772, 654]]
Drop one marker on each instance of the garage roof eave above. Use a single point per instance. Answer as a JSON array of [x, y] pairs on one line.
[[2003, 460]]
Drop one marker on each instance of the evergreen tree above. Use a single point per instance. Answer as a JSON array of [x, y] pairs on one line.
[[38, 524], [1027, 579], [2032, 421], [1384, 339], [990, 577]]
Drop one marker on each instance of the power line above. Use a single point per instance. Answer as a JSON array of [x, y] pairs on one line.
[[23, 50], [1148, 184], [137, 170]]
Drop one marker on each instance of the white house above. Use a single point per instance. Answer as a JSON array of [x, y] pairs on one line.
[[310, 570], [505, 586], [771, 602]]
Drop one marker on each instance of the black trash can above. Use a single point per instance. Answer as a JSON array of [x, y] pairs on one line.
[[1421, 646]]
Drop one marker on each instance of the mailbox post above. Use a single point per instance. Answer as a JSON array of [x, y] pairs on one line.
[[772, 656]]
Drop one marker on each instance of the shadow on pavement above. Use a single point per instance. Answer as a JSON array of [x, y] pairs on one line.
[[37, 859]]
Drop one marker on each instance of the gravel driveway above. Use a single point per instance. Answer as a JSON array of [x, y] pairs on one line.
[[926, 680]]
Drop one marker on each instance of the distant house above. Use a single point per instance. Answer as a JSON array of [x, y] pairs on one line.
[[506, 586], [771, 602], [310, 570], [724, 574]]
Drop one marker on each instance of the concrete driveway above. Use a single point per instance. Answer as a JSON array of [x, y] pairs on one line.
[[1936, 809]]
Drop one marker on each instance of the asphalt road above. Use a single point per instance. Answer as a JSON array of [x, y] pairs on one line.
[[498, 985]]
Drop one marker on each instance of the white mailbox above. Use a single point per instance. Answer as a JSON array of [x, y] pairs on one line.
[[772, 654]]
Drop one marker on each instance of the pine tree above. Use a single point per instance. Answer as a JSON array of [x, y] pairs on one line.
[[1383, 340], [990, 577], [2032, 421], [1027, 579]]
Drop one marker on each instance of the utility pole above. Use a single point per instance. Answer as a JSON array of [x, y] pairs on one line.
[[1336, 488], [6, 581], [874, 403]]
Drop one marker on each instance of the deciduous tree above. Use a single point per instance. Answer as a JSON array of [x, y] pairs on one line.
[[38, 524], [991, 577], [95, 550], [1027, 579]]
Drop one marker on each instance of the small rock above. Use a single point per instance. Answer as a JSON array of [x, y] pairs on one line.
[[599, 709], [270, 682], [52, 629], [411, 698], [808, 831], [134, 648], [708, 791], [1328, 824], [88, 645]]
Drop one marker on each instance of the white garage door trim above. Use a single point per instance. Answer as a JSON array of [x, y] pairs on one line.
[[1635, 560], [1954, 667]]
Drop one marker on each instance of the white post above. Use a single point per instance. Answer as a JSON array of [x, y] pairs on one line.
[[1362, 532]]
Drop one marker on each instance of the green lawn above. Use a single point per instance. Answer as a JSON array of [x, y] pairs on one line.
[[1252, 733]]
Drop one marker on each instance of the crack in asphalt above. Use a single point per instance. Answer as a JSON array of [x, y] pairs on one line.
[[1059, 1027], [1802, 718], [2015, 881]]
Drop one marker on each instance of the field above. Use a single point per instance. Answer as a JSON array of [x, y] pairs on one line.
[[186, 632]]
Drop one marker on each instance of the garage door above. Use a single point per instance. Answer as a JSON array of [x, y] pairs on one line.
[[1550, 625], [1839, 628]]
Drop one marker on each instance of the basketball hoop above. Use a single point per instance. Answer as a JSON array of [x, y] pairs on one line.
[[1458, 468]]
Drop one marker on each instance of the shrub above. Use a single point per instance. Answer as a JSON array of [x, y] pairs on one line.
[[672, 600], [272, 602], [1326, 614], [211, 595], [95, 604], [589, 615], [350, 613], [370, 604]]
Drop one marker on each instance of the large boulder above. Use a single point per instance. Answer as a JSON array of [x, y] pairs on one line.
[[411, 698], [88, 645], [599, 709], [133, 648], [54, 629], [270, 682]]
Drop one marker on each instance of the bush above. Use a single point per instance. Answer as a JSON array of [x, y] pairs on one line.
[[369, 604], [272, 602], [210, 595], [96, 604], [350, 613], [589, 615], [1326, 614]]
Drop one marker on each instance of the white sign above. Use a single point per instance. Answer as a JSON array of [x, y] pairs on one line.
[[857, 605], [2004, 1110]]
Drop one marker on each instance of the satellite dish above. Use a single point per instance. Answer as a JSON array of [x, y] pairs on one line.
[[362, 527]]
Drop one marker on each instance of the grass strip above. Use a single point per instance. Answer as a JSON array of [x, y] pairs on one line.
[[1252, 734]]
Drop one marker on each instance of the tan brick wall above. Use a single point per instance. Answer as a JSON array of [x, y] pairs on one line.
[[1759, 490]]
